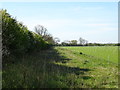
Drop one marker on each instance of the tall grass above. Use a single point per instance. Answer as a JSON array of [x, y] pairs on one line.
[[59, 68]]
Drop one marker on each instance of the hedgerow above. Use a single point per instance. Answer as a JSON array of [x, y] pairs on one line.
[[16, 38]]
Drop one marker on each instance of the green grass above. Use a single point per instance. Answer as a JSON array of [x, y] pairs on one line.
[[63, 67], [102, 62], [109, 53]]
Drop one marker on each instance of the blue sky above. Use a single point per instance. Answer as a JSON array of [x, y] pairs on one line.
[[93, 21]]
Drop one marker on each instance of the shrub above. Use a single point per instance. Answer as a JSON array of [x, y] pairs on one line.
[[17, 39]]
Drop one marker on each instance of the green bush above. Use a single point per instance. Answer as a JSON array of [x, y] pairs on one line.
[[17, 39]]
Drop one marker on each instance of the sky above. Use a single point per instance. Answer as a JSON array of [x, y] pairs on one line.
[[93, 21]]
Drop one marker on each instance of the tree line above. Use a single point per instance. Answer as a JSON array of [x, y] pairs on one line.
[[83, 42], [17, 39]]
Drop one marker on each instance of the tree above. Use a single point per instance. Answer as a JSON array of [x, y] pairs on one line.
[[73, 42], [49, 39], [42, 31], [63, 43], [82, 41], [66, 42], [39, 29], [56, 40]]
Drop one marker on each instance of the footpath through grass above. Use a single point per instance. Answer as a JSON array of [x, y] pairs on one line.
[[59, 68]]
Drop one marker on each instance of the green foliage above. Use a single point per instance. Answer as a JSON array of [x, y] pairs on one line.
[[17, 39], [73, 42]]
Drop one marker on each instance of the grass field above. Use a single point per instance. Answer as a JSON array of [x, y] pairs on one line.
[[109, 53], [64, 67]]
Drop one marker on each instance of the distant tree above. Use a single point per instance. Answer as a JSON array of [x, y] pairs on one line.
[[42, 31], [66, 42], [56, 40], [73, 42], [82, 41], [63, 43], [49, 39], [86, 42]]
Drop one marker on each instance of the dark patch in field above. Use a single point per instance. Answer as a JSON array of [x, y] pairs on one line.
[[64, 62], [66, 69], [81, 53], [86, 61], [66, 59], [86, 77], [60, 58]]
